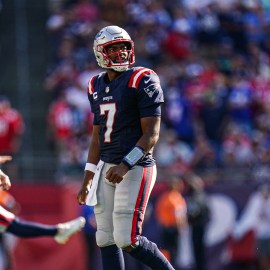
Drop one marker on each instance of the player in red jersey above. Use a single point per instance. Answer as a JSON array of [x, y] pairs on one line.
[[120, 171]]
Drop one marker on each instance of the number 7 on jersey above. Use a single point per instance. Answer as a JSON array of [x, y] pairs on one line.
[[110, 108]]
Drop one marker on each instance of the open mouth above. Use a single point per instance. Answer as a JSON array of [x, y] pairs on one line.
[[120, 59]]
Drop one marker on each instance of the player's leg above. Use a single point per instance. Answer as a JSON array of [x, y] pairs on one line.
[[60, 232], [131, 198], [26, 229], [6, 218], [112, 256]]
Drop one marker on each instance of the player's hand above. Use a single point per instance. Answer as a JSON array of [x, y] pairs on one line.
[[87, 182], [82, 195], [4, 181], [4, 159], [116, 173]]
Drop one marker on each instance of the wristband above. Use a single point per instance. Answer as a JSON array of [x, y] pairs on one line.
[[90, 167], [133, 157]]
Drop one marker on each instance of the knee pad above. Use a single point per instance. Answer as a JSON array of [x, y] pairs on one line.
[[122, 240], [104, 238]]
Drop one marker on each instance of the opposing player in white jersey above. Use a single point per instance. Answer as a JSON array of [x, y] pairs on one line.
[[120, 171]]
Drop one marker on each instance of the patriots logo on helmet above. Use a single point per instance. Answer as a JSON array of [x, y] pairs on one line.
[[98, 35]]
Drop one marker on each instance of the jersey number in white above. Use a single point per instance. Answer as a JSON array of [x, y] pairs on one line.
[[110, 108]]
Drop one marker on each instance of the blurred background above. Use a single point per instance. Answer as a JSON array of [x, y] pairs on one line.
[[213, 61]]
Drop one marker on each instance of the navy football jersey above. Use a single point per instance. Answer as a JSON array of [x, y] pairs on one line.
[[118, 106]]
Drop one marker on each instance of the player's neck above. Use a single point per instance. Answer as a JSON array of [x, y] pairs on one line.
[[112, 75]]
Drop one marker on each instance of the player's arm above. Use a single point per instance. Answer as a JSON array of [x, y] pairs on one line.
[[4, 159], [150, 97], [93, 158], [4, 181], [150, 129], [150, 134]]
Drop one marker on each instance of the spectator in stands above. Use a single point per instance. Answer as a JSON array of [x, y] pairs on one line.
[[204, 155], [69, 126], [198, 214], [240, 101], [179, 116], [213, 113], [171, 213], [261, 170], [178, 41], [173, 154], [208, 26], [12, 128], [232, 26], [11, 131], [237, 147]]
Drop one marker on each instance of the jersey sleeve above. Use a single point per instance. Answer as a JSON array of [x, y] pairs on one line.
[[91, 94], [149, 94]]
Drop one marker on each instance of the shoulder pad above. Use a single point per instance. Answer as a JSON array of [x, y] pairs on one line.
[[137, 76], [90, 89]]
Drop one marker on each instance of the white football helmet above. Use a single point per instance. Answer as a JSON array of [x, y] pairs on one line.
[[108, 36]]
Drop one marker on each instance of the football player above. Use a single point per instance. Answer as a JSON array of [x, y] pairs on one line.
[[120, 171], [10, 223]]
